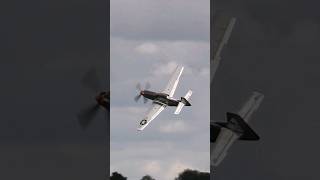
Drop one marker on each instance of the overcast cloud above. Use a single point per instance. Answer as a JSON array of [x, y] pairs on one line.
[[148, 40]]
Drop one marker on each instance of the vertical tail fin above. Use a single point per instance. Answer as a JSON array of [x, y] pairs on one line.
[[238, 125]]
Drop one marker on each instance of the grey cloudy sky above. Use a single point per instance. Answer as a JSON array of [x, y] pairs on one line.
[[274, 49], [148, 40]]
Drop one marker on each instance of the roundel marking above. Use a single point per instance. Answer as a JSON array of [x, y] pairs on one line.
[[143, 122]]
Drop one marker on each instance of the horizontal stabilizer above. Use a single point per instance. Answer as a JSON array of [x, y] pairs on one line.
[[184, 102], [238, 125], [179, 108], [188, 95], [250, 106]]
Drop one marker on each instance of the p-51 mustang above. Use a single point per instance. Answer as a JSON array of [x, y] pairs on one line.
[[163, 99]]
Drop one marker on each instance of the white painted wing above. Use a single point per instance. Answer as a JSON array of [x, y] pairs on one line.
[[154, 111], [174, 80], [220, 148], [222, 28]]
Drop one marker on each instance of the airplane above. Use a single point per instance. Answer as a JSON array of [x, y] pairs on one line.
[[160, 100], [223, 134], [101, 99]]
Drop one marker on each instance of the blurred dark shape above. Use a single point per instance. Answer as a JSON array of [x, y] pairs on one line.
[[189, 174], [117, 176], [92, 82], [87, 115], [147, 177]]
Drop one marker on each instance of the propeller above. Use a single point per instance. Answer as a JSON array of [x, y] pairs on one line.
[[91, 81], [148, 86], [139, 88], [137, 97], [145, 100], [87, 115]]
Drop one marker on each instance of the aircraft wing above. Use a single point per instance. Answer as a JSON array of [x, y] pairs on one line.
[[153, 112], [222, 28], [220, 147], [174, 80]]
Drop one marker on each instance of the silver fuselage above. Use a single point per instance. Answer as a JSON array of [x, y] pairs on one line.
[[160, 98]]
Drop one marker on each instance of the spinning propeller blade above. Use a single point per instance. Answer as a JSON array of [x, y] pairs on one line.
[[91, 81], [145, 100], [86, 116], [148, 85], [139, 88], [137, 97]]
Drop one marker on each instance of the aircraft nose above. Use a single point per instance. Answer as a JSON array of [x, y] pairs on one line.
[[142, 92]]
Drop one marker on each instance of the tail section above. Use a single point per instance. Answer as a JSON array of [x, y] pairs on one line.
[[239, 126], [224, 134], [183, 102]]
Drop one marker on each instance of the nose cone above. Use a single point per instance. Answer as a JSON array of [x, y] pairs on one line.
[[142, 93]]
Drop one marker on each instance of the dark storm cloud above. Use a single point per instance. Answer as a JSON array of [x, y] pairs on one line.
[[273, 49], [46, 48]]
